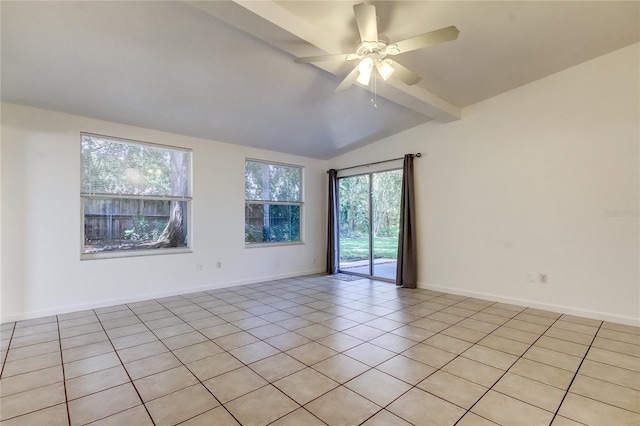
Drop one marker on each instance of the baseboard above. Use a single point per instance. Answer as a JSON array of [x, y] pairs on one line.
[[147, 296], [562, 309], [604, 316]]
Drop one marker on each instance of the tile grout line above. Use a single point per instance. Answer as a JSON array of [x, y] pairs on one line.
[[306, 365], [64, 381], [337, 353], [507, 370], [521, 311], [576, 373], [125, 370], [363, 295], [459, 355], [445, 364], [2, 370], [182, 363], [247, 365], [6, 355], [420, 342], [614, 366], [437, 369], [282, 352]]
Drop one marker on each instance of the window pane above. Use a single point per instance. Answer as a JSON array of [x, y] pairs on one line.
[[254, 223], [111, 166], [272, 182], [266, 223], [133, 224], [254, 180]]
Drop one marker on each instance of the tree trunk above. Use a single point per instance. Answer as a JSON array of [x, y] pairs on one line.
[[173, 234], [266, 195]]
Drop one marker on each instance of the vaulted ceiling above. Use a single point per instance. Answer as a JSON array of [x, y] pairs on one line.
[[224, 70]]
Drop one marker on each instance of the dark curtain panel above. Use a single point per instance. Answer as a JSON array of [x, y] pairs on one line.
[[407, 272], [332, 221]]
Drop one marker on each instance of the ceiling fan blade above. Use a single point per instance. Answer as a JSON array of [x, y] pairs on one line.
[[322, 58], [348, 80], [367, 21], [425, 40], [405, 74]]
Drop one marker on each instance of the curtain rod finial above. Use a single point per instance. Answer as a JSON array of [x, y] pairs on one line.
[[419, 155]]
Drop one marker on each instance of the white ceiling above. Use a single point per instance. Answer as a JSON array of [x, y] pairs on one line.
[[224, 70]]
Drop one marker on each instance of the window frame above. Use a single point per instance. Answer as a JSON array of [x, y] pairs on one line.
[[300, 203], [137, 252]]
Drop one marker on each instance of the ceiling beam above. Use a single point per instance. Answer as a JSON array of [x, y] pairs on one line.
[[268, 13]]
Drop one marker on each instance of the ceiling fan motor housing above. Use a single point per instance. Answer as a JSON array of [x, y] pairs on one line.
[[374, 48]]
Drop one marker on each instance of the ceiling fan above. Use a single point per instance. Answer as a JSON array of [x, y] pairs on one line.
[[373, 50]]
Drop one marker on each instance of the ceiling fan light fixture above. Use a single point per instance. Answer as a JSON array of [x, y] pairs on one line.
[[374, 48], [385, 69], [365, 67]]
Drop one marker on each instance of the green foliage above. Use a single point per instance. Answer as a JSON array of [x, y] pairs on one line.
[[272, 182], [144, 230], [354, 215], [284, 221], [358, 248], [386, 203], [133, 171], [110, 166], [253, 233], [354, 204], [267, 223]]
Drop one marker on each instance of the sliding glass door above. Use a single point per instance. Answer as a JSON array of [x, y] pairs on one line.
[[386, 188], [355, 242], [369, 222]]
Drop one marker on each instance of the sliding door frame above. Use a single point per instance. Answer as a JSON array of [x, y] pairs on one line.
[[371, 247]]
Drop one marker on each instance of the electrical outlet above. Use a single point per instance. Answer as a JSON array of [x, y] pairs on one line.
[[199, 267], [313, 261], [218, 264], [531, 277], [543, 278]]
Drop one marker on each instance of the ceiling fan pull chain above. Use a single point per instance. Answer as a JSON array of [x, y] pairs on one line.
[[374, 98]]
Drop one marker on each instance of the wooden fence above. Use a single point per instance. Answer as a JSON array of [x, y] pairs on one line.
[[109, 218]]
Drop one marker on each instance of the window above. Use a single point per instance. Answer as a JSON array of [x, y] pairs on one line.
[[273, 202], [135, 196]]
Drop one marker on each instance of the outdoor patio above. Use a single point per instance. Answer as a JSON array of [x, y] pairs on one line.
[[382, 268]]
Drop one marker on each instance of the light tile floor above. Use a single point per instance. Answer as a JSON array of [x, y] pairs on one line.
[[314, 351]]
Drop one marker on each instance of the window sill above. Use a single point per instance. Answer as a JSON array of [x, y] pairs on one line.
[[279, 244], [134, 253]]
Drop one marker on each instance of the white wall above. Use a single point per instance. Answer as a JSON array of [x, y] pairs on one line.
[[522, 184], [0, 215], [41, 223]]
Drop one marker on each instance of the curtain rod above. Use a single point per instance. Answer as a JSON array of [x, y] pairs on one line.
[[378, 162]]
